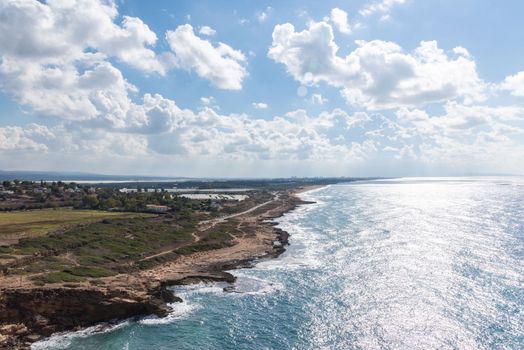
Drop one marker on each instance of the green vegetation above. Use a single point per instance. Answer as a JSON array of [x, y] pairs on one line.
[[19, 224], [218, 237], [99, 249], [85, 271], [57, 277]]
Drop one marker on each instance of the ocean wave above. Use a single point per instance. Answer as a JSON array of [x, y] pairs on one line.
[[64, 339], [250, 285], [179, 311]]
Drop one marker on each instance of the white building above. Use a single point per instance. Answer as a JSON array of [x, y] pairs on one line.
[[128, 190], [215, 196]]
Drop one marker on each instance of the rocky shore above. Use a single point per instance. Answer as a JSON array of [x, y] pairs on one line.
[[31, 313]]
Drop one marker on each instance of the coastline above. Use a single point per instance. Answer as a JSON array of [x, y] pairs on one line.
[[31, 314]]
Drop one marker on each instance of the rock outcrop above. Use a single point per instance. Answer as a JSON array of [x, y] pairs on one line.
[[28, 314]]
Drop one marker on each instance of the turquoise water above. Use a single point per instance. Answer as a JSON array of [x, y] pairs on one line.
[[404, 264]]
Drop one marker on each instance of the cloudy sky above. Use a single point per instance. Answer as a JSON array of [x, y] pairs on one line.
[[263, 88]]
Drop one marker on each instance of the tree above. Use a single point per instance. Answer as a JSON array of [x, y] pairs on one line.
[[91, 201], [111, 203], [130, 204]]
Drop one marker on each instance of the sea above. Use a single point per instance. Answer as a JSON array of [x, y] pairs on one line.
[[411, 263]]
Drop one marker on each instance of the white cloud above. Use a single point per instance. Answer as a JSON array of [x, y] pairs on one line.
[[377, 74], [159, 126], [473, 135], [55, 59], [461, 120], [206, 30], [340, 20], [56, 32], [390, 149], [222, 65], [318, 99], [14, 138], [262, 16], [207, 101], [514, 84], [64, 92], [260, 105], [381, 6], [461, 51]]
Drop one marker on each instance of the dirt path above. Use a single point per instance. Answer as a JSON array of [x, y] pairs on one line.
[[207, 224]]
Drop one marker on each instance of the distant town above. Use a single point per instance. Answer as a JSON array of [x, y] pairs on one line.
[[158, 197], [26, 195]]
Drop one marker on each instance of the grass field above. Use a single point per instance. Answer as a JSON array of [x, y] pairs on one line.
[[99, 249], [104, 244], [34, 223]]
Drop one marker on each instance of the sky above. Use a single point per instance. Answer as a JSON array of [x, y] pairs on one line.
[[262, 88]]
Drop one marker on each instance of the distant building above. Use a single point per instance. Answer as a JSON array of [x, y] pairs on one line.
[[215, 197], [157, 208], [128, 190]]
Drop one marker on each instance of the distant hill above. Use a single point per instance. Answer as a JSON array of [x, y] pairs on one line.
[[75, 176]]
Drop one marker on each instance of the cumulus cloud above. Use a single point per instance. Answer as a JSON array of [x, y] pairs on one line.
[[475, 136], [206, 30], [56, 32], [514, 84], [377, 74], [209, 102], [295, 135], [461, 120], [30, 138], [222, 65], [382, 6], [55, 57], [318, 99], [259, 105], [340, 20], [159, 127]]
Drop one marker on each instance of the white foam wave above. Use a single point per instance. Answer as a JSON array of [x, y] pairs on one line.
[[250, 285], [200, 288], [64, 339], [180, 311]]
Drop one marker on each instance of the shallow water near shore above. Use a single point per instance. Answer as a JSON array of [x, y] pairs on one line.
[[397, 264]]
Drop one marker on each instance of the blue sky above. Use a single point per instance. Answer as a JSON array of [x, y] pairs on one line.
[[265, 88]]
